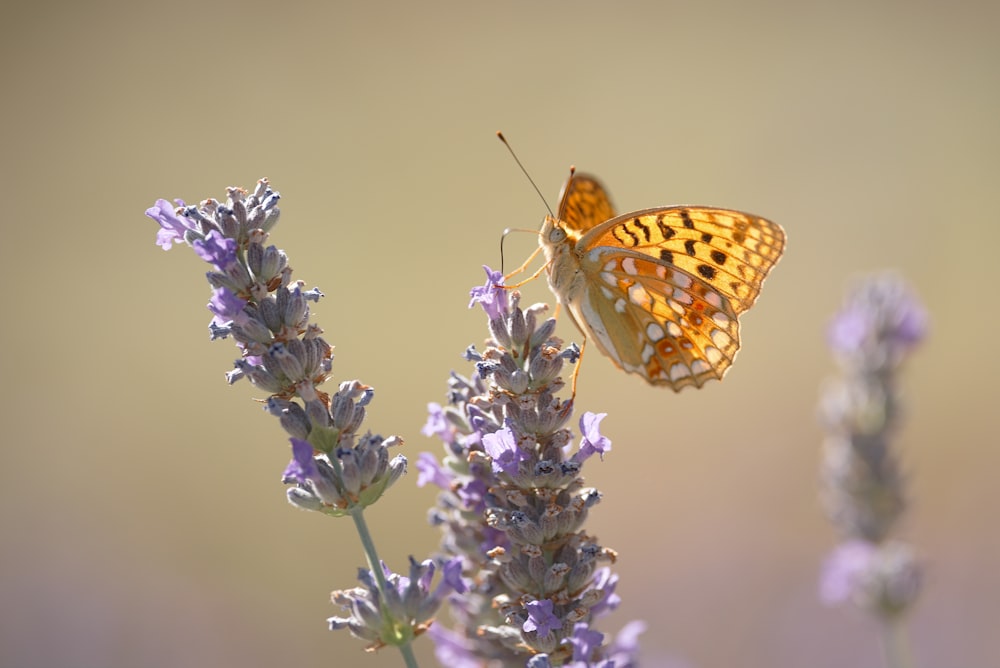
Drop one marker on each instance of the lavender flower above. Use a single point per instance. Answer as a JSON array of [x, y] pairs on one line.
[[880, 323], [255, 302], [513, 503], [335, 469], [405, 609]]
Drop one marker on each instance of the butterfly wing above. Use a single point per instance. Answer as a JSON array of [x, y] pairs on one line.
[[664, 287], [584, 203]]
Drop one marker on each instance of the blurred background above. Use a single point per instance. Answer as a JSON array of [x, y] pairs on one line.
[[143, 518]]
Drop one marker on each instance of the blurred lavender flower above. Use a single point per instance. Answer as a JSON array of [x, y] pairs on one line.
[[513, 503], [880, 323]]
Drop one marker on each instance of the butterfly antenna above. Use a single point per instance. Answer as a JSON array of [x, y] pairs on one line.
[[525, 171]]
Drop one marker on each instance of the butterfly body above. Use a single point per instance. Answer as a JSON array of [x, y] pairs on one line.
[[658, 290]]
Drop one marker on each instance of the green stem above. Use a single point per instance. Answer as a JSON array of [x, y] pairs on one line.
[[895, 644], [375, 564]]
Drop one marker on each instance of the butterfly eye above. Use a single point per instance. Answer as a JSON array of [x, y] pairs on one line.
[[557, 235]]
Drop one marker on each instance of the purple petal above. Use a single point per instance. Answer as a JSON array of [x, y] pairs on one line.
[[593, 441], [429, 471], [437, 424], [453, 649], [849, 331], [302, 467], [227, 306], [172, 226], [502, 447], [843, 570], [451, 574], [217, 250], [585, 642], [494, 299], [540, 617]]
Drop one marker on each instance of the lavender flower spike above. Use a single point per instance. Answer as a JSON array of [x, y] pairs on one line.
[[255, 301], [335, 469], [513, 503], [879, 325]]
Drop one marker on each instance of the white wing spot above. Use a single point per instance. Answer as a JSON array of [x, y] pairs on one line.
[[678, 371], [647, 353], [673, 329], [713, 355], [683, 297], [721, 319], [713, 299], [628, 266], [654, 332], [661, 272], [619, 304], [720, 338], [682, 280], [699, 366], [638, 296], [611, 265], [609, 278], [607, 293], [677, 308]]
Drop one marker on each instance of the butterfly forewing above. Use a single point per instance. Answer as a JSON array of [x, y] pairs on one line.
[[730, 250]]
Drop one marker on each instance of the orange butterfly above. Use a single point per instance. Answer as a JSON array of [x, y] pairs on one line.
[[660, 290]]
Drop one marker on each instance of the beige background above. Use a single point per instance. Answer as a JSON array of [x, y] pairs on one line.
[[143, 519]]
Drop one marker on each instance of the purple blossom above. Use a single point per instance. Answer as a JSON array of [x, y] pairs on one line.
[[472, 494], [216, 249], [451, 576], [172, 226], [303, 466], [494, 299], [624, 650], [227, 307], [592, 440], [437, 424], [880, 319], [849, 330], [606, 582], [429, 471], [540, 617], [844, 569], [585, 642], [502, 447], [453, 649]]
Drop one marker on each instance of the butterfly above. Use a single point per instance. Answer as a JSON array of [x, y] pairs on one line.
[[659, 290]]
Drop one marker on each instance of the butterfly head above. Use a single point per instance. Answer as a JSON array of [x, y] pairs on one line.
[[553, 232]]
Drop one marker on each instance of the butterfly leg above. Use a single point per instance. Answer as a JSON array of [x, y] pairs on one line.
[[528, 279], [524, 266]]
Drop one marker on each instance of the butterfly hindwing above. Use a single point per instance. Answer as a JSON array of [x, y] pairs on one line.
[[660, 322]]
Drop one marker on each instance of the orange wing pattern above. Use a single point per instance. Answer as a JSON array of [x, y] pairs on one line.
[[659, 290]]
